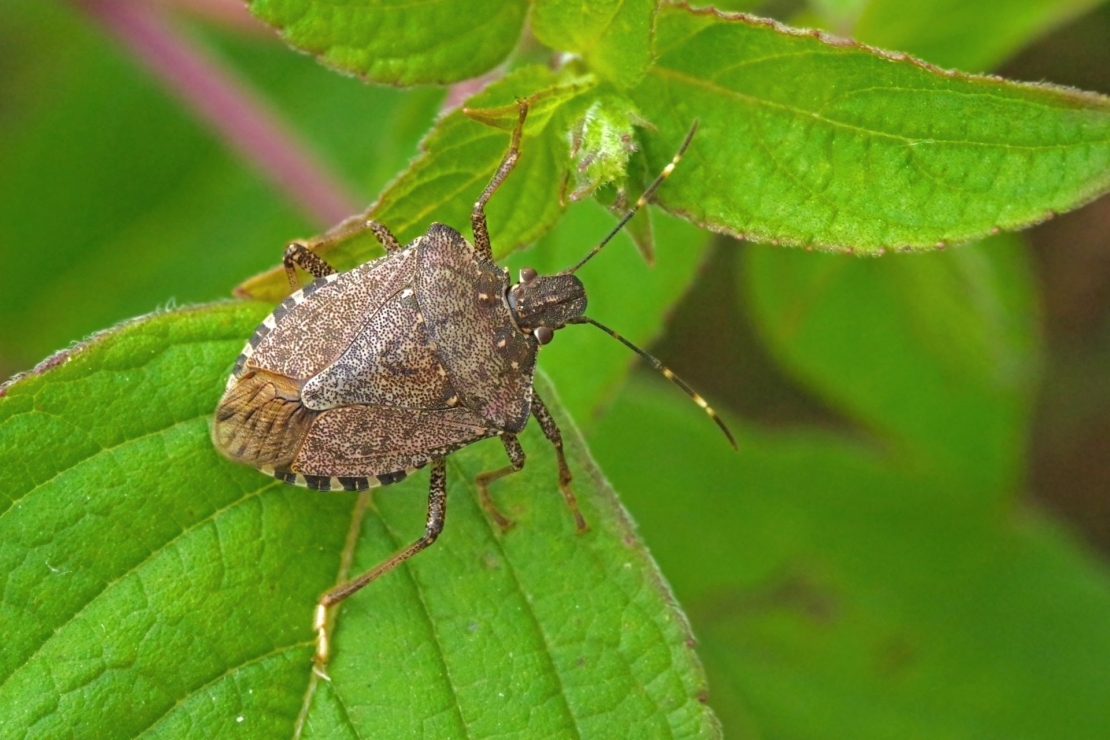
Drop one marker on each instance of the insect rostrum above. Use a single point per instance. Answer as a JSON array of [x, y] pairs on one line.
[[362, 377]]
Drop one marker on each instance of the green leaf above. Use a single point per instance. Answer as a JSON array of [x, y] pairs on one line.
[[456, 162], [811, 141], [436, 41], [154, 589], [837, 594], [971, 36], [939, 353], [614, 36]]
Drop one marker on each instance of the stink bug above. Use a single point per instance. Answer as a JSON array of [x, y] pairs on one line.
[[362, 377]]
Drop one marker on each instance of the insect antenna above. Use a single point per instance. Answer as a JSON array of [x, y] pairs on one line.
[[643, 198], [666, 372]]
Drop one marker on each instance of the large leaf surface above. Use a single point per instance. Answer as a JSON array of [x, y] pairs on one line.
[[154, 589], [400, 43], [813, 141]]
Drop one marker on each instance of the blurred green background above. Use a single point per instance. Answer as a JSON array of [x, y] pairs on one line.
[[912, 540]]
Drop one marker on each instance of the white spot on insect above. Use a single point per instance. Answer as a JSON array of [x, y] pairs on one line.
[[515, 364], [332, 277], [406, 292], [501, 343], [442, 372], [453, 401], [268, 469], [701, 402], [483, 296], [301, 481], [668, 170], [269, 322], [298, 297]]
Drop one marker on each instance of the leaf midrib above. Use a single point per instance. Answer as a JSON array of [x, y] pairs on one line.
[[756, 102]]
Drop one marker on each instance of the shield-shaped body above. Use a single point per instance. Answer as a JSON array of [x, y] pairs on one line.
[[364, 376]]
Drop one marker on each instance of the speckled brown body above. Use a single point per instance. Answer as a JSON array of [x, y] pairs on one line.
[[367, 375]]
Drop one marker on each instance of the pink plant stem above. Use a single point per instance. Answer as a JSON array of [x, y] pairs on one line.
[[231, 14], [246, 122]]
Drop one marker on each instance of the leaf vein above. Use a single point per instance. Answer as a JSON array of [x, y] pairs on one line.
[[134, 568], [757, 102], [527, 609], [277, 650]]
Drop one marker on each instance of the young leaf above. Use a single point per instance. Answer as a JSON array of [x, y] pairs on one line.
[[436, 41], [153, 588], [614, 36], [809, 140], [457, 160]]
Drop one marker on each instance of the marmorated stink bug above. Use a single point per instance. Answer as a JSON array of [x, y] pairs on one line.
[[362, 377]]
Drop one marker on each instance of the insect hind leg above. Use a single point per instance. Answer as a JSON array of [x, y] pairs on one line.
[[478, 215], [516, 460], [551, 431], [437, 512]]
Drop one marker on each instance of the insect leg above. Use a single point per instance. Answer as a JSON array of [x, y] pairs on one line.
[[478, 215], [516, 457], [299, 255], [437, 510], [384, 236], [303, 254], [551, 431]]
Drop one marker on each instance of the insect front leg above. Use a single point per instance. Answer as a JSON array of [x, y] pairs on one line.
[[478, 215], [516, 458], [437, 510], [551, 431]]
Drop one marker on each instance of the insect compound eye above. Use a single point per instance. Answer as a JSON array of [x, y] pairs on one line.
[[527, 275], [543, 334]]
